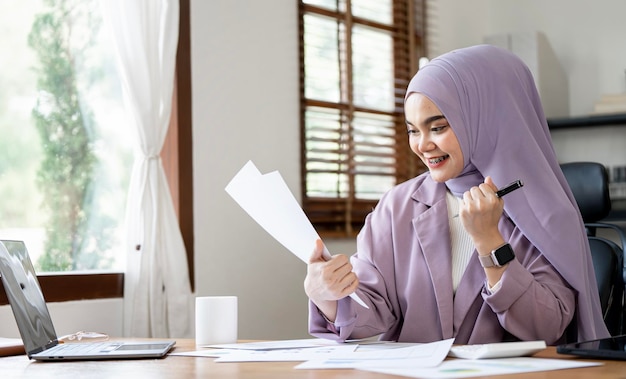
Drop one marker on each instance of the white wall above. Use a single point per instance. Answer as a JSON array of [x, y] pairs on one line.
[[245, 106], [587, 37], [104, 316]]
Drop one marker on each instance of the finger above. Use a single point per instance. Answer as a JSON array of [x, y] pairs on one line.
[[486, 190], [342, 287], [351, 283], [476, 193], [490, 183], [342, 266], [318, 252], [465, 198]]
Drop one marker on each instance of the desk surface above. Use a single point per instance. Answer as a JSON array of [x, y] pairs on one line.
[[192, 367]]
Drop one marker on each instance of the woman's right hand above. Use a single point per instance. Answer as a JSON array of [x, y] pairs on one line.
[[329, 280]]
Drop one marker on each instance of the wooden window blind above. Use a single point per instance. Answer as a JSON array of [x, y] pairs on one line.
[[356, 59]]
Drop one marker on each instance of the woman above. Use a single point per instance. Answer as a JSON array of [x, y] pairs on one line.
[[422, 264]]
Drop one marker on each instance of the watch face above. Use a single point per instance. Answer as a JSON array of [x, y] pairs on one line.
[[504, 254]]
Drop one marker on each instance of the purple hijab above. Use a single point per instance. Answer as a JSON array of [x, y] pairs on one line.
[[488, 96]]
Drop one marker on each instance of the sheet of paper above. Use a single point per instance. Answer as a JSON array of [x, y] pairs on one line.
[[204, 353], [274, 345], [465, 368], [411, 356], [268, 200], [288, 355], [261, 347]]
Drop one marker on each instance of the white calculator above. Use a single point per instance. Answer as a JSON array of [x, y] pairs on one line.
[[497, 350]]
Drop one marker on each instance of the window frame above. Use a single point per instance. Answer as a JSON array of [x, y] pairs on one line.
[[344, 216], [177, 162]]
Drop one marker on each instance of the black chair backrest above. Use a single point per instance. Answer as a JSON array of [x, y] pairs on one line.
[[589, 184], [604, 263]]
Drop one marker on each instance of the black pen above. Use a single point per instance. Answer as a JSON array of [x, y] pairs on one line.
[[510, 188]]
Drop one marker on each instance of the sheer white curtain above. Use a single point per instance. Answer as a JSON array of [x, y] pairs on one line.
[[157, 293]]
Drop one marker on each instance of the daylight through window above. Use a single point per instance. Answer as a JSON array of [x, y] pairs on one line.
[[66, 142]]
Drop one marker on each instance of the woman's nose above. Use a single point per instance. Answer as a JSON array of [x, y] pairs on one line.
[[425, 144]]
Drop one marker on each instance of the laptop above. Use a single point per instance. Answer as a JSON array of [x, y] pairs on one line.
[[605, 348], [35, 324]]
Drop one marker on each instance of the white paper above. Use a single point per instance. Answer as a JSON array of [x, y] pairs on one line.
[[288, 355], [268, 200], [260, 348], [466, 368], [204, 353], [411, 356], [275, 345]]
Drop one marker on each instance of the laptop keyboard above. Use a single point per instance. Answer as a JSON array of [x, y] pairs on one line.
[[82, 348]]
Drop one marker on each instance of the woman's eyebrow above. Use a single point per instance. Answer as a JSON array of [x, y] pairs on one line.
[[432, 119], [429, 120]]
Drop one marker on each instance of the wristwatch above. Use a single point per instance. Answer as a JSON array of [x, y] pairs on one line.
[[498, 257]]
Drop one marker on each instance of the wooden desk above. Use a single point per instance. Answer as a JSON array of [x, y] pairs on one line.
[[192, 367]]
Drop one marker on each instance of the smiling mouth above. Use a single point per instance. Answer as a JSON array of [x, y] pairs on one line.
[[438, 159]]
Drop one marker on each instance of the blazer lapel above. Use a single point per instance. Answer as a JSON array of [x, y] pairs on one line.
[[469, 288], [429, 226]]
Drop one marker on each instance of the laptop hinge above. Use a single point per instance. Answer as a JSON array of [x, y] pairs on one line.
[[48, 345]]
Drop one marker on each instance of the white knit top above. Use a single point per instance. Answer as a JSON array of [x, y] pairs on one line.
[[462, 245]]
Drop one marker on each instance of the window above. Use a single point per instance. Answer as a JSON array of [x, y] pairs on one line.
[[20, 173], [357, 57]]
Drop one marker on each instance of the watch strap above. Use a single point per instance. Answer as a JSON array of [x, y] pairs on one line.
[[498, 257], [486, 261]]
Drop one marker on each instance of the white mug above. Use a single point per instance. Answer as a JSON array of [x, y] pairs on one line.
[[216, 320]]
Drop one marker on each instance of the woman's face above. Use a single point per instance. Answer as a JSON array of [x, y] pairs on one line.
[[432, 138]]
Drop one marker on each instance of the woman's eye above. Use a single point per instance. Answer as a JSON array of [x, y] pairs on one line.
[[438, 128], [412, 132]]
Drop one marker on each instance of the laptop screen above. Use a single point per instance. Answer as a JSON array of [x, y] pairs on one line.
[[25, 296]]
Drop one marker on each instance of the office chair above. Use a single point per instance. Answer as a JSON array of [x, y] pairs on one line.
[[589, 184]]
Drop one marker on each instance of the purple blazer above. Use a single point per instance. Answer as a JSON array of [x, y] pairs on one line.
[[404, 266]]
